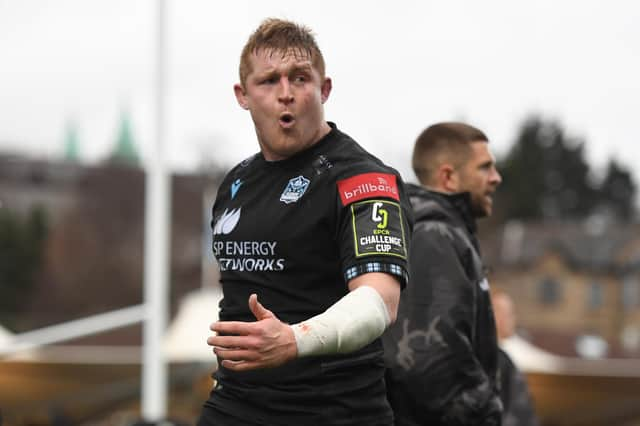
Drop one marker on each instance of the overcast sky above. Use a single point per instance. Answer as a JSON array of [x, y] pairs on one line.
[[396, 67]]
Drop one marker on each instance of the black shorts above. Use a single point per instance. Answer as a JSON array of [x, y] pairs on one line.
[[334, 391], [211, 416]]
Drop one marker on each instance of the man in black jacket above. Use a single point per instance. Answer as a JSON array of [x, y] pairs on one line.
[[442, 351]]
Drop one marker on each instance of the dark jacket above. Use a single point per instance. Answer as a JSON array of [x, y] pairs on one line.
[[516, 400], [441, 352]]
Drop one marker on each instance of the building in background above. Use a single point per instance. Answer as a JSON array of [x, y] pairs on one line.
[[91, 262], [576, 285], [93, 217]]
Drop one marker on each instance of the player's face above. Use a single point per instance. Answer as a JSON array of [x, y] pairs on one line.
[[285, 95], [480, 177]]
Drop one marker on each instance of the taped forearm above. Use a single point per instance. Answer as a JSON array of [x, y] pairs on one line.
[[348, 325]]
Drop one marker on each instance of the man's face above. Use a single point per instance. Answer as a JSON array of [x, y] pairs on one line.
[[480, 178], [285, 96]]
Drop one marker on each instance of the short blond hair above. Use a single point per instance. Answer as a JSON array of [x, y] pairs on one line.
[[277, 35]]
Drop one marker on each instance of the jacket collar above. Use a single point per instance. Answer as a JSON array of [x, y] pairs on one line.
[[461, 202], [456, 204]]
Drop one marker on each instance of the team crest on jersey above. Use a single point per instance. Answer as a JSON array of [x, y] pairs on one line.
[[295, 189]]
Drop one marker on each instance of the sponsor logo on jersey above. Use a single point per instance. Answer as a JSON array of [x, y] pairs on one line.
[[234, 187], [295, 189], [248, 256], [367, 185], [227, 221], [378, 228]]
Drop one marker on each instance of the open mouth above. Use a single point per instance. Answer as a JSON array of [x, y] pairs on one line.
[[286, 119]]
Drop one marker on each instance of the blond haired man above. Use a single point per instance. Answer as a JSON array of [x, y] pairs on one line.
[[311, 238]]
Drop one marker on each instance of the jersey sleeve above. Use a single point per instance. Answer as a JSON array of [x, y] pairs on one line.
[[374, 225]]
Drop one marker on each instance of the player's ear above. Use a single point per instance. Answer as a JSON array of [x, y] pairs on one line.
[[448, 178], [241, 95], [325, 89]]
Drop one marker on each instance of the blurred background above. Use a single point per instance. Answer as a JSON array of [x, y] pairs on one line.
[[553, 84]]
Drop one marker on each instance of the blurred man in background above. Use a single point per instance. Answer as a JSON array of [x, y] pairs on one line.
[[442, 352], [315, 229], [518, 409]]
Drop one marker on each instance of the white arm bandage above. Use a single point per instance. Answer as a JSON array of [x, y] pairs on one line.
[[348, 325]]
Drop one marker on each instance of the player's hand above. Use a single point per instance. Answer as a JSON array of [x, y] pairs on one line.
[[265, 343]]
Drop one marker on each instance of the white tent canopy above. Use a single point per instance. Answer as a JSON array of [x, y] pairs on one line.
[[531, 359], [186, 338], [6, 337]]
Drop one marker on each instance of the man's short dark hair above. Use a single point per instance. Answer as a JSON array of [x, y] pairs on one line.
[[443, 142]]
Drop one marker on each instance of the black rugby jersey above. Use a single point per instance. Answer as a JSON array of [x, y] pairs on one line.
[[295, 232]]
